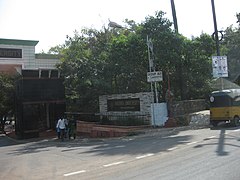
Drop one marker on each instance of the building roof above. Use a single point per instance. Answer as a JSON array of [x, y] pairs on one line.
[[223, 83], [18, 42]]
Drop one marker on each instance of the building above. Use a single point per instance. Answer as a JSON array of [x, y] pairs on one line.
[[40, 95]]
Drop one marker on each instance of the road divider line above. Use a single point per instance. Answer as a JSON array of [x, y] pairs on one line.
[[144, 156], [171, 149], [192, 143], [113, 164], [74, 173], [211, 137], [114, 147], [122, 146], [236, 130]]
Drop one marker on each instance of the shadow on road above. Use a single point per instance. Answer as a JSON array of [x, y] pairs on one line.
[[106, 147], [220, 150], [130, 145], [223, 136]]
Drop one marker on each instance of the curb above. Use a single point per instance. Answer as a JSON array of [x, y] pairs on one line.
[[167, 131], [138, 134]]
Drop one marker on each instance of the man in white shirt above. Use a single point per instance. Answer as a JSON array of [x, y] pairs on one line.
[[61, 125]]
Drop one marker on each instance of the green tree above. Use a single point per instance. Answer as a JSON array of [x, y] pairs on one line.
[[196, 66], [115, 60], [127, 63], [232, 50], [6, 95], [83, 66]]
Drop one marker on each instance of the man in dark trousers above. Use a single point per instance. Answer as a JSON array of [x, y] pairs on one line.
[[61, 126]]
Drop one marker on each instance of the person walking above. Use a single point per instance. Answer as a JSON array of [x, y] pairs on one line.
[[58, 130], [61, 126], [66, 127]]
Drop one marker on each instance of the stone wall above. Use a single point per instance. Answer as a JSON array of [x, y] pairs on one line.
[[199, 119], [188, 106], [145, 104]]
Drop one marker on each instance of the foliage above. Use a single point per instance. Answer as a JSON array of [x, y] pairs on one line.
[[232, 49], [83, 66], [196, 66], [6, 94], [109, 61], [127, 63]]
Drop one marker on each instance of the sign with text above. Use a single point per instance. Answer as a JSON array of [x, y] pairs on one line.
[[220, 67], [10, 53], [123, 104], [154, 76]]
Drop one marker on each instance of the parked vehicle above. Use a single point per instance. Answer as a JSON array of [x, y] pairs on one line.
[[225, 107]]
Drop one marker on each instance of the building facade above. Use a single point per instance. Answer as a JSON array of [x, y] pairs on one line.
[[40, 95]]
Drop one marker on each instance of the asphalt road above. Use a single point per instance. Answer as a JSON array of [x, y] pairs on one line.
[[183, 155]]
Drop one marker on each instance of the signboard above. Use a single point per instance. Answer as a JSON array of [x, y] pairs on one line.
[[220, 67], [123, 104], [154, 76], [10, 53]]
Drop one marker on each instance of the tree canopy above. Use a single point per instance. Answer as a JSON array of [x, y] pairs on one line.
[[231, 48], [6, 95], [115, 60]]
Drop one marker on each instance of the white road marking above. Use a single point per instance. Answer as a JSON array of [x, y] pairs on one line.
[[73, 173], [211, 137], [113, 164], [144, 156], [171, 149], [236, 130], [46, 140], [192, 143], [127, 139], [122, 146], [114, 147]]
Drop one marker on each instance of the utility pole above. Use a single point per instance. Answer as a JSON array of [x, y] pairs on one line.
[[152, 69], [174, 16], [152, 66], [179, 64], [215, 34]]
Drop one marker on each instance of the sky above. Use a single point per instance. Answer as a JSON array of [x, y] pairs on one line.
[[50, 21]]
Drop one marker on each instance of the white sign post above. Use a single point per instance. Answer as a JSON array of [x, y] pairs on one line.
[[155, 76], [220, 67]]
